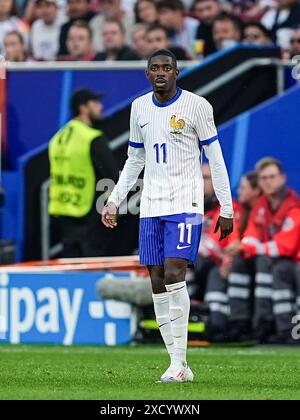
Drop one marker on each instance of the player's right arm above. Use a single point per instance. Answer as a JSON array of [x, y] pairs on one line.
[[133, 167]]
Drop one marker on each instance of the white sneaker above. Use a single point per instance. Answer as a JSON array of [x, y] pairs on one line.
[[177, 373]]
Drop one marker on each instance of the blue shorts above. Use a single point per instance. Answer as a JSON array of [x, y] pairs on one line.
[[175, 236]]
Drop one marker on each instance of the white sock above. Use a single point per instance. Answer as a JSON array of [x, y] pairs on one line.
[[162, 312], [179, 317]]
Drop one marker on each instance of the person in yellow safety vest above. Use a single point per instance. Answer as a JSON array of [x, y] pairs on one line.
[[80, 157]]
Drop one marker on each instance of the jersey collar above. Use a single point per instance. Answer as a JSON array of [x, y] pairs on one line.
[[160, 105]]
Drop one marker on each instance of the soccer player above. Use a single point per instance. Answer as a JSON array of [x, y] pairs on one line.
[[169, 128]]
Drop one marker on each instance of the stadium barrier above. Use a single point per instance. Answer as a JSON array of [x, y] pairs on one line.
[[56, 302]]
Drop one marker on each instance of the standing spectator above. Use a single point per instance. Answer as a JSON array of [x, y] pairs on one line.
[[206, 11], [256, 34], [9, 21], [111, 9], [77, 10], [282, 21], [272, 235], [115, 47], [45, 31], [79, 158], [227, 31], [157, 39], [182, 29], [79, 43], [146, 11], [139, 40], [14, 47]]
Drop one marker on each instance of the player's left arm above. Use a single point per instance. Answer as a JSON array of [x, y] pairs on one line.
[[208, 137]]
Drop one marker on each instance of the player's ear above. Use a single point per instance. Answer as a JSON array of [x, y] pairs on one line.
[[177, 72], [147, 73]]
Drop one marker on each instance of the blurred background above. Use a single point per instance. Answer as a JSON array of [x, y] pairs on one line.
[[244, 57]]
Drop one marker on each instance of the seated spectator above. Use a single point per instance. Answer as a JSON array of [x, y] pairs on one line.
[[146, 12], [295, 44], [9, 21], [281, 21], [79, 43], [182, 29], [256, 34], [157, 38], [206, 11], [227, 31], [111, 9], [217, 285], [139, 40], [32, 12], [272, 236], [14, 47], [115, 47], [45, 31], [77, 10]]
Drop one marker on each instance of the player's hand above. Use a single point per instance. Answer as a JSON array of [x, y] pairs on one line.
[[109, 215], [225, 226]]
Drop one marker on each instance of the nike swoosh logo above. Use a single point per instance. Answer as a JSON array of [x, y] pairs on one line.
[[162, 325], [142, 126], [183, 247], [172, 320]]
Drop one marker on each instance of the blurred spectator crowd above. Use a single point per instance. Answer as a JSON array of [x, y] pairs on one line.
[[100, 30], [250, 281]]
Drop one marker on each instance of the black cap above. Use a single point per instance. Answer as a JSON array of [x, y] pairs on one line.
[[82, 97]]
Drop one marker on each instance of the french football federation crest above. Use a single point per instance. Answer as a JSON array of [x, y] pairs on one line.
[[177, 126]]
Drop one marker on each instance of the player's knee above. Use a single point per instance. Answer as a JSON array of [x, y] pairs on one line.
[[174, 275]]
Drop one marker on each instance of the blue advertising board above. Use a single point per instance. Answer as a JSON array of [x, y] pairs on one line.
[[61, 308]]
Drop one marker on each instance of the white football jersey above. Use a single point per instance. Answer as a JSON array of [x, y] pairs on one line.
[[167, 139]]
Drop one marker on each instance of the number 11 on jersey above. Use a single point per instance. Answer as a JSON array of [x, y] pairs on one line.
[[157, 148]]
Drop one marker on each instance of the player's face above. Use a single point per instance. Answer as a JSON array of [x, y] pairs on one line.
[[162, 74], [271, 180]]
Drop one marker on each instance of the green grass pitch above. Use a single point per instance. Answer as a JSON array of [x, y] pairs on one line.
[[131, 372]]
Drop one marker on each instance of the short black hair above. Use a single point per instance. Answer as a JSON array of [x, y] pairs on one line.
[[235, 20], [171, 4], [166, 53], [260, 26], [157, 27]]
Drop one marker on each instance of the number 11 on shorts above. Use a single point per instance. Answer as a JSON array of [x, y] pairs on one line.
[[185, 229]]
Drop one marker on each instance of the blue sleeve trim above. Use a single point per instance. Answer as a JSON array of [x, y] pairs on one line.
[[209, 141], [136, 145]]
